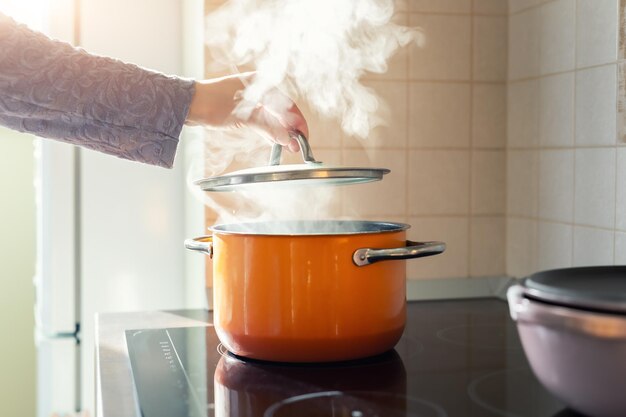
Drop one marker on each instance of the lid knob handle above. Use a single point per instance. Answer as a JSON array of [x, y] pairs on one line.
[[305, 150]]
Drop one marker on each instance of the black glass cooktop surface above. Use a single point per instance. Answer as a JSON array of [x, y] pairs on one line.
[[456, 359]]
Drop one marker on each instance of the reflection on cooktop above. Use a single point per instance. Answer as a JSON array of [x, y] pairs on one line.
[[354, 404], [456, 358]]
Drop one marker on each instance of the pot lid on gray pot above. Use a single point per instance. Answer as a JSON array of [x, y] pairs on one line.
[[601, 288], [312, 172]]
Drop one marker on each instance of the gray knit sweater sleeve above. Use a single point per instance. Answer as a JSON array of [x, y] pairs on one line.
[[54, 90]]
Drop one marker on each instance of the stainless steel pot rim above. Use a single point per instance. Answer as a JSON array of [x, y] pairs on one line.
[[309, 228]]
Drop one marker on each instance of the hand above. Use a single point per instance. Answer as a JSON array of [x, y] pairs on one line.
[[219, 104]]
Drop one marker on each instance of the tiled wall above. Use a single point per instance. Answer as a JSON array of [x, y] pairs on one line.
[[566, 167], [445, 141], [450, 168], [505, 139]]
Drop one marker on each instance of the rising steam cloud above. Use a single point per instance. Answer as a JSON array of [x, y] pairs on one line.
[[315, 50], [321, 48]]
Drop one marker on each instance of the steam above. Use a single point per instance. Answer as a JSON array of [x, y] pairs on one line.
[[316, 51], [320, 47], [232, 150]]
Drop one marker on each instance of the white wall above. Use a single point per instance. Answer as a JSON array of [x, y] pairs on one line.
[[17, 268], [132, 215], [17, 251]]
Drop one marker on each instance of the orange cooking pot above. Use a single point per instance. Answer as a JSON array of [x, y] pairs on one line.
[[310, 291]]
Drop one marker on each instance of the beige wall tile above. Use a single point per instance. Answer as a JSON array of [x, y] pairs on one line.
[[556, 110], [620, 248], [517, 5], [596, 106], [491, 6], [595, 187], [392, 113], [487, 247], [488, 182], [523, 114], [397, 65], [454, 261], [401, 5], [554, 245], [621, 39], [596, 32], [386, 197], [621, 98], [556, 185], [446, 52], [323, 132], [489, 116], [327, 156], [439, 182], [523, 49], [620, 206], [593, 246], [522, 172], [458, 6], [383, 218], [439, 115], [558, 36], [521, 238], [490, 46]]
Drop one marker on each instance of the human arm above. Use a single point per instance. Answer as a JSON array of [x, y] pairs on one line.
[[54, 90]]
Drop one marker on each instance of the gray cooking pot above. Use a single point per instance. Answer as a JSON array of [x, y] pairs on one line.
[[572, 324]]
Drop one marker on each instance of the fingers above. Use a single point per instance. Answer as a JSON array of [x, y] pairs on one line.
[[269, 126], [298, 122], [293, 145], [222, 103], [277, 117]]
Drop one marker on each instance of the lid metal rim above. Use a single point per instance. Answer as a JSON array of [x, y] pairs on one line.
[[576, 302], [597, 324], [354, 174]]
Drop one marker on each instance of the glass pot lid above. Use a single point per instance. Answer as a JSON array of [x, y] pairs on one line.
[[596, 288], [311, 172]]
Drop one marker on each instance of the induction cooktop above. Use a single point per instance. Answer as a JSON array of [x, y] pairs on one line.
[[455, 359]]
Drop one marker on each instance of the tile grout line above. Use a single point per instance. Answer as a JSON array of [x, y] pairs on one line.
[[470, 229], [548, 220], [555, 73], [529, 8], [535, 153], [618, 44], [575, 147], [407, 134], [563, 148], [480, 148], [615, 206], [451, 81], [444, 13], [538, 152], [408, 79], [506, 145]]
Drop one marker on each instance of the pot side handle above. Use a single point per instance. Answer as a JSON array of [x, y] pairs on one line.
[[203, 244], [366, 256]]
